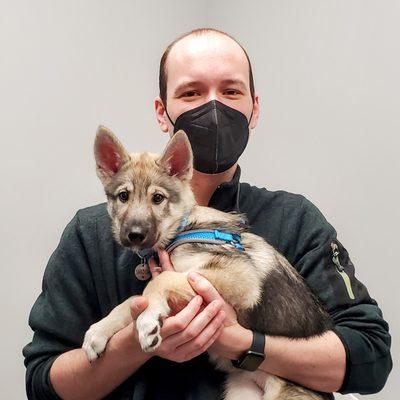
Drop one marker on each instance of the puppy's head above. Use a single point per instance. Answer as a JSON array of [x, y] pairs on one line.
[[148, 195]]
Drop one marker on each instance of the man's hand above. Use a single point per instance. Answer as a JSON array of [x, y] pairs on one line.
[[194, 330]]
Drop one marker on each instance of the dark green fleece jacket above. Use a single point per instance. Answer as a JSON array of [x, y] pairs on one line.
[[89, 274]]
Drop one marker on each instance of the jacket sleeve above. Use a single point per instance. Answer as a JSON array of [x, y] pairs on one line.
[[326, 266], [64, 310]]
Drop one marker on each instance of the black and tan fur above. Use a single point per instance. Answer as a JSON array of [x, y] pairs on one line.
[[266, 292]]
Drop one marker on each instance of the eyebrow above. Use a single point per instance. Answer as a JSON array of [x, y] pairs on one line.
[[234, 82]]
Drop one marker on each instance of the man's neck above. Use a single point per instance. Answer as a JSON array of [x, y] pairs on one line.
[[204, 185]]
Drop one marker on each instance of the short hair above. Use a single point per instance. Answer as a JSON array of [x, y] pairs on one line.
[[162, 80]]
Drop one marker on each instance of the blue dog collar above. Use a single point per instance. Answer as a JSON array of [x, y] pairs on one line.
[[206, 236]]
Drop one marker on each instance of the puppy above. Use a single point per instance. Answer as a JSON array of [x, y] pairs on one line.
[[150, 202]]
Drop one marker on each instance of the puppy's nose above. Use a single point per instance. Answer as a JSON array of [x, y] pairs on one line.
[[136, 237]]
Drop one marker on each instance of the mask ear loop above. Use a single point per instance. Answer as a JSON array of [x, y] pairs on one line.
[[251, 116], [170, 120]]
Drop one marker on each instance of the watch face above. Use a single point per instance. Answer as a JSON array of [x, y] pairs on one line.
[[251, 360]]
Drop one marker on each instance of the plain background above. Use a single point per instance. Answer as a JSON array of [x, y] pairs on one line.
[[327, 76]]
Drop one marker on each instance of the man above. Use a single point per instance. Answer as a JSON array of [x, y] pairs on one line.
[[89, 274]]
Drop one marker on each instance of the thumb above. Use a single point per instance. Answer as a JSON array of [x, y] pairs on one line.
[[138, 305]]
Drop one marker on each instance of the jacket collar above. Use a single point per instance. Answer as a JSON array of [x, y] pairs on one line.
[[226, 195]]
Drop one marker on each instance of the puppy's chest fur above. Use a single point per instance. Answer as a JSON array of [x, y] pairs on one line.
[[265, 290]]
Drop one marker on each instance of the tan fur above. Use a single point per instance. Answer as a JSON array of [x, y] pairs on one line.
[[172, 287]]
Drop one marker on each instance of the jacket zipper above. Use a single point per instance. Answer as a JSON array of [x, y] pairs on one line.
[[341, 271]]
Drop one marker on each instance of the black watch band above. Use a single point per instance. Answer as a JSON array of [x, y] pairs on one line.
[[251, 359]]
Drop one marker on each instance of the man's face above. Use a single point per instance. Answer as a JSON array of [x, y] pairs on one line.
[[204, 68]]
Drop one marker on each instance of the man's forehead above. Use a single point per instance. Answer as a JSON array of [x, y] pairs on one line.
[[194, 51], [211, 41]]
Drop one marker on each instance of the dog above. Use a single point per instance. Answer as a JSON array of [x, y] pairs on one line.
[[148, 198]]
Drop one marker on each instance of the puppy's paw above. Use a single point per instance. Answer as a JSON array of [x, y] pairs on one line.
[[94, 343], [148, 325]]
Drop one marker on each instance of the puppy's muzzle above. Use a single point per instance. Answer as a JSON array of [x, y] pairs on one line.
[[138, 236]]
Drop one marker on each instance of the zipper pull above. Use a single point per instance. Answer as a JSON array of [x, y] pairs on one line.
[[341, 271], [335, 258]]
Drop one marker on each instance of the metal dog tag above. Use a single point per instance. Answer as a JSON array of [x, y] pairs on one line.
[[142, 271]]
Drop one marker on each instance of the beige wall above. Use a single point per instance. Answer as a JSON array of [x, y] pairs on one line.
[[327, 75]]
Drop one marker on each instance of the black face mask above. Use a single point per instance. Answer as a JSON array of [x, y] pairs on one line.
[[218, 135]]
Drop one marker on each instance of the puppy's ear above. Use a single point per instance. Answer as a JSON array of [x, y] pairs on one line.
[[177, 158], [109, 153]]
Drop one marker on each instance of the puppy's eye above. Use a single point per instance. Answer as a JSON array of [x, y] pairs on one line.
[[123, 196], [158, 198]]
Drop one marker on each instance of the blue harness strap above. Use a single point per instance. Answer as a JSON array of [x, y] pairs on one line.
[[214, 236]]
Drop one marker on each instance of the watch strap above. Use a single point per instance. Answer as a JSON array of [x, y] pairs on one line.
[[258, 343]]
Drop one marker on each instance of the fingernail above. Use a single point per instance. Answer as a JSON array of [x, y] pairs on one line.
[[193, 277]]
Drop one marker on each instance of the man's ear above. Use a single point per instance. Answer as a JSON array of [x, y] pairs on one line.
[[109, 153], [177, 159], [256, 112], [162, 119]]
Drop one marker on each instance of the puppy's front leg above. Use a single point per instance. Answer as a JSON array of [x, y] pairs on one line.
[[98, 334], [170, 287]]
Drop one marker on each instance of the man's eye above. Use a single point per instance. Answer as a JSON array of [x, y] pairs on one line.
[[123, 196], [158, 198], [232, 92], [190, 93]]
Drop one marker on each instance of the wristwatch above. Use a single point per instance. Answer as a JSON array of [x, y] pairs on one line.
[[251, 359]]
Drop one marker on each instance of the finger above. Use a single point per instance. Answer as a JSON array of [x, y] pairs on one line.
[[154, 268], [205, 339], [138, 305], [204, 321], [186, 352], [208, 344], [216, 335], [180, 321], [165, 261], [203, 287]]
